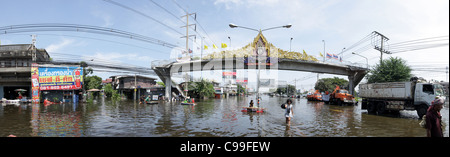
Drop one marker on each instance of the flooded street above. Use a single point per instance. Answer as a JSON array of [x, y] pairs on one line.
[[213, 117]]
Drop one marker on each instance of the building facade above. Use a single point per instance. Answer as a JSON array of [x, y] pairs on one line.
[[126, 84], [15, 68]]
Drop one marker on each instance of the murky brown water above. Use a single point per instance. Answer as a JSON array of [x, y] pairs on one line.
[[214, 117]]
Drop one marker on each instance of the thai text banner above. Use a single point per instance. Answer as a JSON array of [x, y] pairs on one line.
[[60, 78]]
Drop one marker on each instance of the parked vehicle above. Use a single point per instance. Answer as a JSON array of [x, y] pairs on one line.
[[339, 97], [395, 96], [314, 97]]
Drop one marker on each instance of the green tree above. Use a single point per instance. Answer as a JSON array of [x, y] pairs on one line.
[[108, 89], [240, 89], [390, 70], [329, 84], [290, 89], [93, 82], [202, 88]]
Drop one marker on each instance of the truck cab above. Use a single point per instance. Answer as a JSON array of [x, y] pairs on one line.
[[339, 96], [424, 94]]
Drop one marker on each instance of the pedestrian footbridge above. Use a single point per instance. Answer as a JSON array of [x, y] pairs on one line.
[[259, 54]]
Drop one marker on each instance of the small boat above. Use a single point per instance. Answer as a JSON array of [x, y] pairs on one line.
[[152, 102], [186, 103], [10, 102], [253, 109]]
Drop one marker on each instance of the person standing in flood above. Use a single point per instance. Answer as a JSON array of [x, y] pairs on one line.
[[434, 118], [289, 111]]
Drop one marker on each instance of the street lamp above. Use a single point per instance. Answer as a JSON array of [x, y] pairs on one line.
[[290, 44], [235, 26], [367, 60]]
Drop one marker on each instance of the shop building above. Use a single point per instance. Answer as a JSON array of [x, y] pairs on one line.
[[15, 68], [126, 84]]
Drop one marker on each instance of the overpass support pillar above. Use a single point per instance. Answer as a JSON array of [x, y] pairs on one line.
[[351, 84], [168, 84]]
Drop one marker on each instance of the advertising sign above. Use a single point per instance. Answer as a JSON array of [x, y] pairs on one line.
[[60, 78], [34, 82]]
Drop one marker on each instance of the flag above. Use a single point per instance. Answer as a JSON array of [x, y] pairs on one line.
[[214, 46], [335, 56], [205, 47], [328, 55], [320, 53], [223, 45]]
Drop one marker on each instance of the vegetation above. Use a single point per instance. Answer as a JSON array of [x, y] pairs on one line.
[[390, 70], [240, 89], [93, 82], [289, 88], [201, 89], [110, 92], [161, 84], [329, 84]]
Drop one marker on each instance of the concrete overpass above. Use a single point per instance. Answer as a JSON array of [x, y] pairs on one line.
[[258, 54], [164, 71]]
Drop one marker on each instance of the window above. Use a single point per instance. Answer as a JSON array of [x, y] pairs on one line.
[[438, 89], [19, 62], [428, 88]]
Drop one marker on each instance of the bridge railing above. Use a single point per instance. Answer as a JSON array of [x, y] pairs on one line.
[[160, 63]]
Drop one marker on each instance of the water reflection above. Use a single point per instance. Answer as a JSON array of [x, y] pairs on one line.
[[213, 117]]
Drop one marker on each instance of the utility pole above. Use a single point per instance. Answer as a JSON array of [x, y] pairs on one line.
[[381, 48], [187, 38], [33, 42]]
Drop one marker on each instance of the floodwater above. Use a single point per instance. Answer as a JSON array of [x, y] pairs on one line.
[[213, 117]]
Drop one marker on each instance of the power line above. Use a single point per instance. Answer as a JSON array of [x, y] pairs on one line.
[[82, 28], [201, 27], [141, 13]]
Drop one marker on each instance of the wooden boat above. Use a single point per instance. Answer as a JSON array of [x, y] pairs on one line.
[[253, 109]]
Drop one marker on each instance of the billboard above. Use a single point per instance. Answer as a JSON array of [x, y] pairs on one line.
[[60, 78]]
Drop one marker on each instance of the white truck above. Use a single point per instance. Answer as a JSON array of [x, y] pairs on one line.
[[395, 96]]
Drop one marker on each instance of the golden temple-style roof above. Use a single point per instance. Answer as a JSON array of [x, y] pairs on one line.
[[251, 48]]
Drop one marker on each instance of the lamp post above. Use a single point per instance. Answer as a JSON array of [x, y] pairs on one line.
[[290, 44], [324, 54], [261, 30], [367, 60]]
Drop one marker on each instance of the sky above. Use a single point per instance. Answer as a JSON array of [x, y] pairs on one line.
[[316, 24]]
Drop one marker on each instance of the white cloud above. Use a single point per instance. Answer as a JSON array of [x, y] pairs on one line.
[[59, 46], [106, 18]]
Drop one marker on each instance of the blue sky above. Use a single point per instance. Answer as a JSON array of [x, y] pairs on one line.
[[341, 23]]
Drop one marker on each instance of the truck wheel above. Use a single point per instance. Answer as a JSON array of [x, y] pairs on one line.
[[381, 108], [421, 110], [339, 102], [371, 108]]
